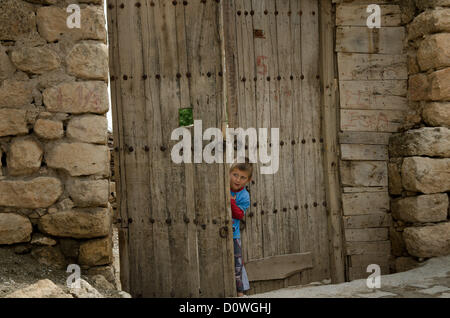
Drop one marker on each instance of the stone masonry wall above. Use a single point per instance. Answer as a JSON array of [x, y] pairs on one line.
[[54, 174], [419, 167]]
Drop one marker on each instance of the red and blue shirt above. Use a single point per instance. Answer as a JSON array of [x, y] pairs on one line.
[[238, 208]]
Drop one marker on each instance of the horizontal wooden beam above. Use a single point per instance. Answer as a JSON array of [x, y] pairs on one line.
[[278, 267]]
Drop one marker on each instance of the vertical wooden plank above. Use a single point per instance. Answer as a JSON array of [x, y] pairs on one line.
[[288, 231], [116, 104], [272, 42], [300, 130], [320, 212], [265, 185], [309, 61], [330, 115], [231, 80], [297, 210]]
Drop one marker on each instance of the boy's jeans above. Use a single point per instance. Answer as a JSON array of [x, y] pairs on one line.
[[242, 283]]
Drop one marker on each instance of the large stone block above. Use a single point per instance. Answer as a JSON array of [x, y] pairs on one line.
[[421, 209], [437, 114], [88, 61], [426, 175], [14, 228], [79, 159], [418, 87], [433, 142], [15, 93], [40, 192], [52, 24], [77, 223], [429, 22], [7, 68], [13, 122], [439, 85], [88, 128], [49, 129], [17, 17], [428, 241], [96, 252], [24, 156], [35, 60], [77, 97], [434, 52], [424, 4], [44, 288], [85, 193]]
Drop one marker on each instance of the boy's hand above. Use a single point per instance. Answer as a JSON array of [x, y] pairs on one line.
[[233, 197]]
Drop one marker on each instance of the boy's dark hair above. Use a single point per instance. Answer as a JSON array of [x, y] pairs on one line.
[[246, 166]]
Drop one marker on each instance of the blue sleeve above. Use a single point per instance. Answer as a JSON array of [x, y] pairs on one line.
[[243, 202]]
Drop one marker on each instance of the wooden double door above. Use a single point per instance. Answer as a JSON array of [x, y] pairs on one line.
[[245, 63]]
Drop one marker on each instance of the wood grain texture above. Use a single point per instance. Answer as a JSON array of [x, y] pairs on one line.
[[169, 57], [361, 39], [278, 267]]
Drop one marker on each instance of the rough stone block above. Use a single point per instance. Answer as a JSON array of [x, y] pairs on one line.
[[88, 128], [15, 93], [48, 129], [44, 288], [17, 17], [426, 175], [13, 122], [428, 241], [437, 114], [39, 192], [52, 24], [35, 60], [7, 68], [88, 61], [418, 87], [24, 157], [79, 159], [428, 22], [96, 252], [87, 193], [421, 209], [14, 228], [77, 223], [434, 52], [77, 97], [424, 4], [433, 142], [439, 85]]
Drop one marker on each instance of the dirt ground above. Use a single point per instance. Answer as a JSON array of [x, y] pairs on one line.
[[19, 271]]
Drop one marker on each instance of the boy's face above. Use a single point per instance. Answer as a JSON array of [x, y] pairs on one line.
[[238, 179]]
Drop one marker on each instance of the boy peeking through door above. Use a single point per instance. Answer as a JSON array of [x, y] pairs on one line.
[[240, 176]]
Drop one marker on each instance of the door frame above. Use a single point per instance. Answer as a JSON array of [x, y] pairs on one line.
[[330, 128]]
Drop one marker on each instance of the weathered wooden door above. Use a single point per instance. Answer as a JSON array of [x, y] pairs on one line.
[[276, 69], [164, 56]]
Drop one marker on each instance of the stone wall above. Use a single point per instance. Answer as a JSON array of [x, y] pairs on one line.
[[54, 175], [419, 167]]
